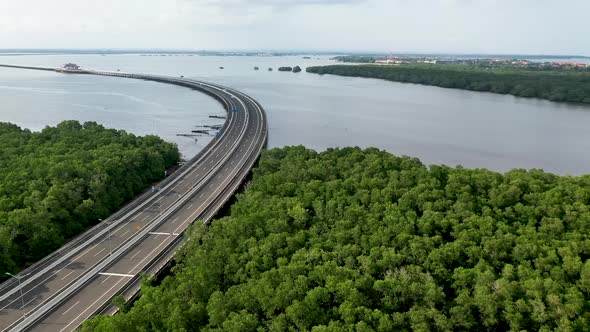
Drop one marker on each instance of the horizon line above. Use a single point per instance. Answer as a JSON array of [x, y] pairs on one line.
[[276, 51]]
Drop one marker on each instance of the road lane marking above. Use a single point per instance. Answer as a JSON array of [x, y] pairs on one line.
[[80, 256], [147, 256], [91, 305], [110, 274], [124, 233], [123, 226], [67, 275], [107, 278], [98, 253], [137, 253], [158, 233], [190, 206], [49, 277], [33, 299], [173, 221], [72, 307]]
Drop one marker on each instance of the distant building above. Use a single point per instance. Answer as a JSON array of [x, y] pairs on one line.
[[570, 64], [389, 60], [71, 66]]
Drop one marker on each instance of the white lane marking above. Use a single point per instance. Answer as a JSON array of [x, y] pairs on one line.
[[98, 253], [189, 207], [49, 277], [158, 233], [201, 195], [80, 256], [67, 275], [72, 307], [144, 218], [27, 304], [137, 253], [148, 255], [116, 274], [124, 233], [91, 305], [105, 280], [173, 221], [122, 226]]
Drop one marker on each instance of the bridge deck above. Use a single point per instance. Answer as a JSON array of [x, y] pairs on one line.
[[79, 280]]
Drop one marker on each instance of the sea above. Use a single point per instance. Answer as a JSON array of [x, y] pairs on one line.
[[437, 125]]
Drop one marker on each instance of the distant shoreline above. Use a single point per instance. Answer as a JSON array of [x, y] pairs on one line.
[[41, 51], [556, 86]]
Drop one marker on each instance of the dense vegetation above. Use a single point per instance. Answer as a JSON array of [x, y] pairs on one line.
[[356, 58], [555, 86], [57, 182], [353, 240]]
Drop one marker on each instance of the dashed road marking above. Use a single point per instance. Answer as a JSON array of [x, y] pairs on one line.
[[137, 253], [72, 307], [67, 275], [110, 274], [98, 253]]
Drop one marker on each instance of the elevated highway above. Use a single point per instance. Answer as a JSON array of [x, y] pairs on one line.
[[80, 279]]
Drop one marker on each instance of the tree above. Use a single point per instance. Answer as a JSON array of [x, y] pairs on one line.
[[351, 239], [58, 182]]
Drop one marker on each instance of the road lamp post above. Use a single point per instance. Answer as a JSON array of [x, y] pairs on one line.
[[22, 299]]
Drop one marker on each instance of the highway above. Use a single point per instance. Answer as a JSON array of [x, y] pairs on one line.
[[81, 278]]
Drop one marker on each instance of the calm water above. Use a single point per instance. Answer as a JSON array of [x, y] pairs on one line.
[[437, 125]]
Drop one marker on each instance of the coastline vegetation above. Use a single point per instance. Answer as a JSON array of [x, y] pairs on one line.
[[352, 239], [56, 183], [560, 86]]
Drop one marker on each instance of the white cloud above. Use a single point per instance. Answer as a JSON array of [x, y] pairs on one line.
[[492, 26]]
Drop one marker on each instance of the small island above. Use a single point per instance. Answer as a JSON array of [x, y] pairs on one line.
[[295, 69]]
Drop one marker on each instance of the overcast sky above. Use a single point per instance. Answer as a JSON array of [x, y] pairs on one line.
[[450, 26]]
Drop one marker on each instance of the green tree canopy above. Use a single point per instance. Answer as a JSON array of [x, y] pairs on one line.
[[566, 86], [58, 182], [352, 239]]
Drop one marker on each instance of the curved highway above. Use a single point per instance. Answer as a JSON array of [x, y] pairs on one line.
[[80, 279]]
